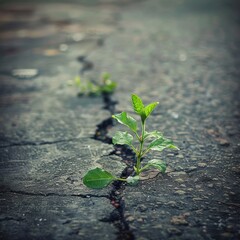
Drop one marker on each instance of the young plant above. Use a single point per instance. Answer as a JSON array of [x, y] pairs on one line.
[[87, 87], [147, 141]]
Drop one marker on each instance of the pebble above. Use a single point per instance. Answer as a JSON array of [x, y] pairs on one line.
[[201, 164], [223, 142], [192, 168], [180, 192], [24, 73], [179, 180], [77, 37], [140, 220], [130, 218], [142, 208], [63, 47], [236, 169], [172, 203], [197, 199], [174, 231], [158, 226], [177, 174], [179, 220]]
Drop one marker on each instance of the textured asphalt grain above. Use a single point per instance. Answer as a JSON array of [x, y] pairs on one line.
[[184, 54]]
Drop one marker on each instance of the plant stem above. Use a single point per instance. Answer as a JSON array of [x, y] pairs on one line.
[[121, 179], [140, 153]]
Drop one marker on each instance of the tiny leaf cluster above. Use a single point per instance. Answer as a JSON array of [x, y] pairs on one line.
[[90, 88], [147, 141]]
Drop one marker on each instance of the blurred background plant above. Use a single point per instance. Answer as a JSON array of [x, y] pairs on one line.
[[92, 88]]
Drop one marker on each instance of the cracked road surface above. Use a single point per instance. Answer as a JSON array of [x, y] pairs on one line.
[[184, 54]]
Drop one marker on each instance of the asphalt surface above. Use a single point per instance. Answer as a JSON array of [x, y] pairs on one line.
[[184, 54]]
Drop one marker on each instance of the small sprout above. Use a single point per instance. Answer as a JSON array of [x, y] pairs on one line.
[[87, 87], [148, 141]]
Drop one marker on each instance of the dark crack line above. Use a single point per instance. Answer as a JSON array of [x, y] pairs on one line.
[[117, 216], [41, 194], [11, 219], [229, 204], [32, 143], [86, 64]]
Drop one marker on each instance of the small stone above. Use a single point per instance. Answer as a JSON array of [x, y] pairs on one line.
[[210, 185], [223, 142], [149, 174], [192, 168], [50, 52], [201, 164], [179, 180], [178, 174], [212, 132], [179, 220], [172, 203], [24, 73], [63, 47], [236, 169], [180, 192], [197, 199], [182, 56], [158, 226], [142, 208], [130, 218], [77, 37], [174, 231]]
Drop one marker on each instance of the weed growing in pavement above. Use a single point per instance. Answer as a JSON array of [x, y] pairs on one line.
[[100, 178], [87, 87]]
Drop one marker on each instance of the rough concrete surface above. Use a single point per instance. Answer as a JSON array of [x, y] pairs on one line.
[[184, 54]]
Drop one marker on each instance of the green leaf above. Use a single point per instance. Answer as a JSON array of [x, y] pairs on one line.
[[106, 76], [149, 108], [154, 134], [162, 147], [109, 86], [98, 178], [156, 163], [122, 138], [160, 144], [137, 104], [126, 120], [77, 81]]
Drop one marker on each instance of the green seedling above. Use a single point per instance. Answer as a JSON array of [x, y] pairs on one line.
[[87, 87], [147, 141]]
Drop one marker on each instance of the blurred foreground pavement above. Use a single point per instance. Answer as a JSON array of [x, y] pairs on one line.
[[184, 54]]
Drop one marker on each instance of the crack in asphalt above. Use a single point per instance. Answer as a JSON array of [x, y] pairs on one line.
[[117, 216], [11, 219], [50, 194], [86, 64]]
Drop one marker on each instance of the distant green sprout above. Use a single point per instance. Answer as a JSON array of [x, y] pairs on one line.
[[87, 87], [100, 178]]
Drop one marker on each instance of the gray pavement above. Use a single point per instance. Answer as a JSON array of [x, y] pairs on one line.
[[184, 54]]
